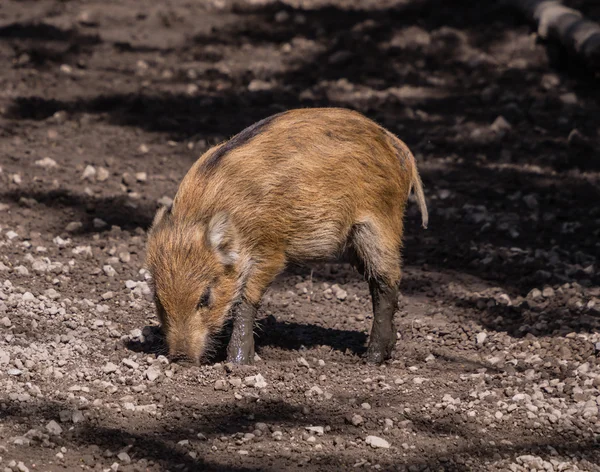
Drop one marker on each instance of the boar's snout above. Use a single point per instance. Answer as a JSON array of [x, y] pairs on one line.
[[188, 348]]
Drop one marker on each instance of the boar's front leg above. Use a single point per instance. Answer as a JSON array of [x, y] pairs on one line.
[[383, 334], [240, 349]]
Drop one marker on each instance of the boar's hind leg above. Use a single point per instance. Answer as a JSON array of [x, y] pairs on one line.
[[378, 251], [383, 334], [240, 349]]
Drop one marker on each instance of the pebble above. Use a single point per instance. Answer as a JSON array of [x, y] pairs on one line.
[[89, 173], [54, 428], [73, 226], [109, 368], [124, 457], [377, 442], [257, 381], [318, 430], [481, 337], [102, 174], [153, 372], [46, 163], [357, 420]]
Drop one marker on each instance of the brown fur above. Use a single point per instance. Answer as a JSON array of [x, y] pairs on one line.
[[304, 185]]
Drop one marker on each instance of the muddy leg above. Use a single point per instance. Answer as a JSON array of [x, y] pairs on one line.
[[240, 349], [383, 334]]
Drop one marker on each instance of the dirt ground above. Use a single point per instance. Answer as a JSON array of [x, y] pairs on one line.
[[103, 108]]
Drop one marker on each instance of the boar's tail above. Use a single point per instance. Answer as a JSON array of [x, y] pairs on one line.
[[418, 190], [417, 186]]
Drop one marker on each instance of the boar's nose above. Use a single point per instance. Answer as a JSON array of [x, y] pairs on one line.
[[183, 359]]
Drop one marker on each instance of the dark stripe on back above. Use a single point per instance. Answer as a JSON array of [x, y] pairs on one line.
[[238, 140]]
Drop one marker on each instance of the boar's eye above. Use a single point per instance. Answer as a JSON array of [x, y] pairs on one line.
[[204, 299]]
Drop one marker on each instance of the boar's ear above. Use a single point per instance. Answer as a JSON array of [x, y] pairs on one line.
[[222, 238], [161, 214]]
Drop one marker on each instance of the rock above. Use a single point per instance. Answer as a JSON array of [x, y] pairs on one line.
[[5, 322], [377, 442], [99, 223], [124, 457], [54, 428], [221, 385], [257, 381], [4, 357], [531, 201], [89, 173], [500, 125], [109, 270], [22, 467], [77, 417], [14, 372], [46, 163], [282, 16], [481, 337], [102, 174], [340, 57], [339, 293], [10, 235], [357, 420], [141, 176], [153, 372], [260, 86], [165, 201], [109, 368], [73, 226], [130, 363], [128, 179], [303, 362], [318, 430]]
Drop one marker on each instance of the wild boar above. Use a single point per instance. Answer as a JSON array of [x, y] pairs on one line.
[[300, 186]]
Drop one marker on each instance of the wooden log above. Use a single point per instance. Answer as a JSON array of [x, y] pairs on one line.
[[566, 25]]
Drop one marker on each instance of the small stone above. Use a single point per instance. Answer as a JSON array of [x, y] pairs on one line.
[[14, 372], [365, 406], [109, 368], [11, 235], [357, 420], [6, 322], [481, 337], [500, 125], [377, 442], [130, 363], [257, 85], [221, 385], [165, 201], [22, 468], [102, 174], [109, 270], [99, 223], [54, 428], [73, 226], [303, 362], [89, 173], [141, 176], [124, 457], [152, 373], [46, 163], [318, 430], [257, 381], [77, 417]]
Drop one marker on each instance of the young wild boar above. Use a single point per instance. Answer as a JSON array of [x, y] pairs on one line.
[[299, 186]]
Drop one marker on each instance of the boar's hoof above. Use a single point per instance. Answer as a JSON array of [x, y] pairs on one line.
[[240, 354], [378, 353]]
